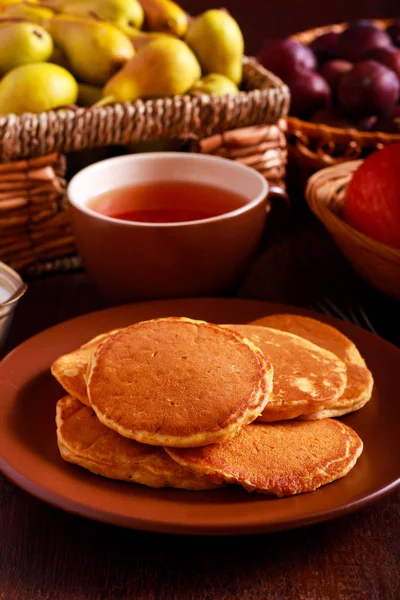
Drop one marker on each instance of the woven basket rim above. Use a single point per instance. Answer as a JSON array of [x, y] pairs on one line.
[[319, 207], [295, 124]]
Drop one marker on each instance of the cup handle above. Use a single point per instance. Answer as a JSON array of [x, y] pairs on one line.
[[278, 199], [278, 212]]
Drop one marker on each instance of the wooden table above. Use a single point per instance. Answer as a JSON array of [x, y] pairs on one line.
[[46, 554]]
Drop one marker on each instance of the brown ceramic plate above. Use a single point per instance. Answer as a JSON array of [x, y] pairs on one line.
[[29, 455]]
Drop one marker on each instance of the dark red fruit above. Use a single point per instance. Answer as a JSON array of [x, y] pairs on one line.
[[356, 41], [324, 46], [285, 56], [367, 123], [333, 71], [332, 118], [369, 89], [390, 57], [335, 118], [394, 32], [389, 123], [309, 92]]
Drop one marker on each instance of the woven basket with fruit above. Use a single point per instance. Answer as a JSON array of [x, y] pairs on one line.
[[83, 74], [344, 82], [181, 77]]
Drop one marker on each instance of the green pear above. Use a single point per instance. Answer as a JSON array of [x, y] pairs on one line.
[[36, 88], [23, 43], [164, 67], [217, 41], [94, 49], [213, 84], [119, 12]]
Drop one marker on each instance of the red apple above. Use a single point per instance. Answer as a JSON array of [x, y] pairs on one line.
[[372, 201]]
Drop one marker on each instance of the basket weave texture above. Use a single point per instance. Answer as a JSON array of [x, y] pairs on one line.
[[378, 264], [315, 146], [265, 100], [261, 147], [34, 225]]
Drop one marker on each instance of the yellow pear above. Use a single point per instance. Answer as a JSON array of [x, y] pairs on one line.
[[217, 41], [28, 11], [214, 84], [88, 94], [164, 67], [23, 43], [117, 12], [142, 38], [36, 88], [94, 49], [165, 16]]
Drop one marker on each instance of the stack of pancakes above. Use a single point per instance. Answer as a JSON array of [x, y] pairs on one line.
[[188, 404]]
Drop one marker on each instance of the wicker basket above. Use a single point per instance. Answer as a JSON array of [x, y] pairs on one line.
[[315, 146], [243, 127], [34, 225], [265, 100], [377, 263]]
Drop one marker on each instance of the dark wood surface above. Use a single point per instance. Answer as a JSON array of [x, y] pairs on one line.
[[46, 554]]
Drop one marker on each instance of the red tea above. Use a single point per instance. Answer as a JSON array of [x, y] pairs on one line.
[[167, 202]]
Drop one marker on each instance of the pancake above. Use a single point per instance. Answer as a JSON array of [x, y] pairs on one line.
[[178, 382], [280, 458], [359, 378], [84, 441], [306, 377], [70, 369]]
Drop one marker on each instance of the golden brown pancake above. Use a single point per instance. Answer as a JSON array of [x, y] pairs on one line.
[[84, 441], [359, 378], [178, 382], [306, 377], [279, 458], [70, 369]]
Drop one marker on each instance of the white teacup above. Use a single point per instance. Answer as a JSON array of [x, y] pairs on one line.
[[134, 260]]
